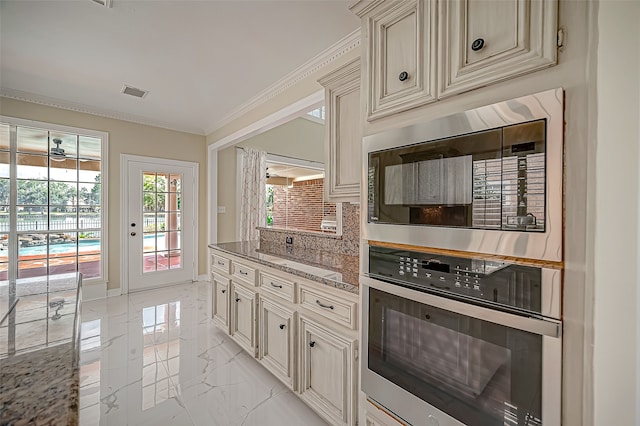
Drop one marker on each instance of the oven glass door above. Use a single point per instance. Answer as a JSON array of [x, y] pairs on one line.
[[477, 372]]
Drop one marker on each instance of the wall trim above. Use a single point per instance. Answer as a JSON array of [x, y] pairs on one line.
[[275, 119], [33, 98], [321, 60]]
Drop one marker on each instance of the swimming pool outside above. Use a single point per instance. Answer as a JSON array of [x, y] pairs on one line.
[[90, 245]]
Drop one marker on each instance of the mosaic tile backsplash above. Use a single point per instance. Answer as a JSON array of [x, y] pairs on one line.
[[348, 243]]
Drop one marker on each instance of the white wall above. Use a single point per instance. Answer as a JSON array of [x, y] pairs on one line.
[[616, 218]]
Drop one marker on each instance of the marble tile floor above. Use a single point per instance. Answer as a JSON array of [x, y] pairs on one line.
[[155, 358]]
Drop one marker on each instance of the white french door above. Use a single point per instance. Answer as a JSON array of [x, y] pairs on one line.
[[159, 222]]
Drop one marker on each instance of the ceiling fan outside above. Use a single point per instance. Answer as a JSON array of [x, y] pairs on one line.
[[57, 153]]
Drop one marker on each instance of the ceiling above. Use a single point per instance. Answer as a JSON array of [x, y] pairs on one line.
[[199, 60]]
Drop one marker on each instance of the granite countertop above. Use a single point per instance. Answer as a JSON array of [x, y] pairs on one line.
[[39, 349], [329, 268]]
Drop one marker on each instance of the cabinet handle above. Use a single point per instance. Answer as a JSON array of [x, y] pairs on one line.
[[477, 44], [403, 76], [312, 343], [220, 263], [243, 272], [223, 291], [282, 326], [237, 299], [275, 285], [324, 306]]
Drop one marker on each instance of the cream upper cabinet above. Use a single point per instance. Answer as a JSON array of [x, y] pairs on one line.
[[343, 133], [399, 46], [419, 51], [484, 42]]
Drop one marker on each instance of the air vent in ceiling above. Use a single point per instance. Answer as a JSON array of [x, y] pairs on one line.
[[105, 3], [138, 93]]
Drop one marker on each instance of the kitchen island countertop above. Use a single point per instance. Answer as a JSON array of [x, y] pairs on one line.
[[39, 349]]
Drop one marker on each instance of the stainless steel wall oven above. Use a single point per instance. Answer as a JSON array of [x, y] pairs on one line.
[[489, 180], [454, 340]]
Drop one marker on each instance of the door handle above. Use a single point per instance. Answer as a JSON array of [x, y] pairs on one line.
[[133, 234], [133, 225], [282, 326]]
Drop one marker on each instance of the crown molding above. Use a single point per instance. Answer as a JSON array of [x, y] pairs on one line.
[[319, 61], [20, 95]]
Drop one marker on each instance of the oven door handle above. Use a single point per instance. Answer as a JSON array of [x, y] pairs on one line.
[[543, 327]]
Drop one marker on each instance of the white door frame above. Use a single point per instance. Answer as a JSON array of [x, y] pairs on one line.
[[125, 159]]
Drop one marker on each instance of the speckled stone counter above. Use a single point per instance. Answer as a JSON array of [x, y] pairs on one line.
[[39, 350], [332, 269]]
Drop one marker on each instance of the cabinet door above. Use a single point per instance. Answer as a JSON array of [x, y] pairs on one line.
[[276, 340], [220, 302], [400, 52], [327, 372], [483, 42], [243, 321], [343, 155]]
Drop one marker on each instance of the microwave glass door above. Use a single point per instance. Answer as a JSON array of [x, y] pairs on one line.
[[493, 179], [478, 372]]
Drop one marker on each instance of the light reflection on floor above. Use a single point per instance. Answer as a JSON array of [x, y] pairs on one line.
[[155, 357]]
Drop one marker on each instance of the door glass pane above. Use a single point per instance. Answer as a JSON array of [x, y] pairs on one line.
[[32, 192], [64, 170], [33, 140], [161, 213], [63, 193], [4, 136], [89, 194], [4, 251], [32, 218], [90, 148], [89, 171], [30, 166], [62, 265], [4, 164], [63, 141], [4, 192], [89, 218]]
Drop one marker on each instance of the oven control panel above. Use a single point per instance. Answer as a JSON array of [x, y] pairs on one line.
[[509, 285]]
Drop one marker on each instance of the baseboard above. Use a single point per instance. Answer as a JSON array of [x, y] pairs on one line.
[[94, 291], [114, 292], [203, 277]]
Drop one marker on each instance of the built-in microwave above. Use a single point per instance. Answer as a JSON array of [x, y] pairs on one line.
[[488, 180]]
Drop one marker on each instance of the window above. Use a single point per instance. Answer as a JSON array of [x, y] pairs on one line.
[[295, 199], [54, 221], [317, 113]]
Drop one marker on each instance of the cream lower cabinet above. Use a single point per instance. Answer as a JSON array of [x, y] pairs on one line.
[[376, 417], [243, 317], [328, 371], [303, 332], [276, 341], [220, 302]]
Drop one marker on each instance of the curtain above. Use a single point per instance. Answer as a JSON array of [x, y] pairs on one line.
[[253, 202]]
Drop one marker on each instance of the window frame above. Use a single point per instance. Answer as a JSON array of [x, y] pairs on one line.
[[103, 279]]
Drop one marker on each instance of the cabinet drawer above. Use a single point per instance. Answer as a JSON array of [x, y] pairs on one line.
[[277, 286], [243, 272], [220, 263], [329, 306]]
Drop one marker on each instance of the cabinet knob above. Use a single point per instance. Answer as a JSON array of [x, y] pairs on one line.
[[282, 326], [477, 44], [237, 299], [133, 234], [312, 343], [223, 291], [403, 76]]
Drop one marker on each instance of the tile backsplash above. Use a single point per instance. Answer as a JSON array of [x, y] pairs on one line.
[[348, 243]]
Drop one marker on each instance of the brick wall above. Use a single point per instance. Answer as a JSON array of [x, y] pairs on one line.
[[301, 206]]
